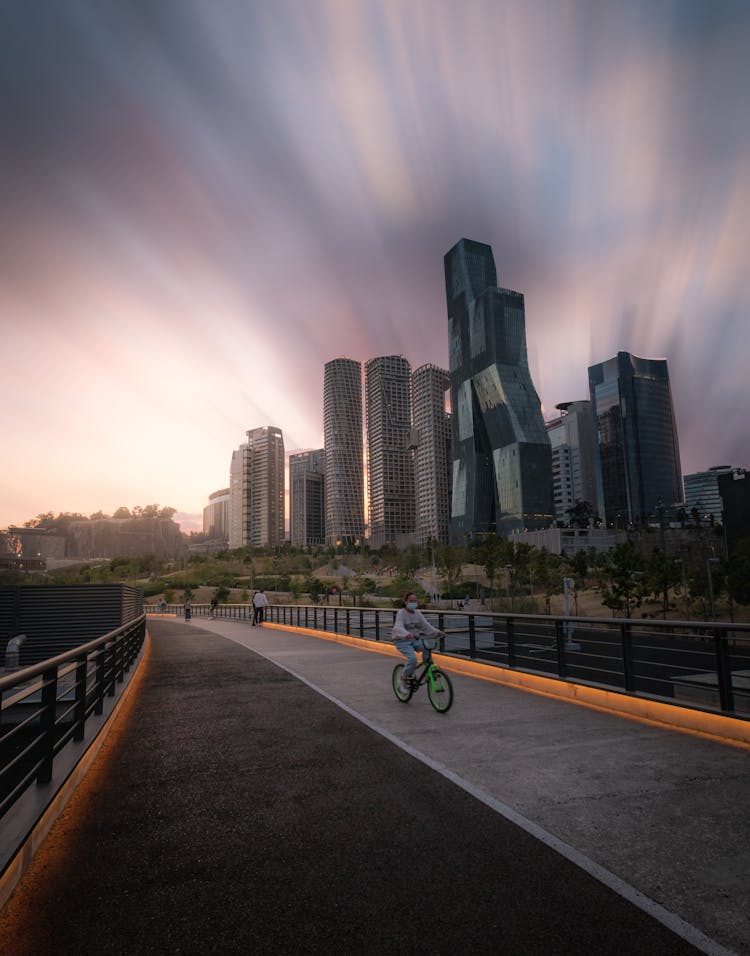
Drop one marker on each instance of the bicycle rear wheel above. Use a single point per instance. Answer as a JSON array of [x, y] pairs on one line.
[[439, 690], [403, 696]]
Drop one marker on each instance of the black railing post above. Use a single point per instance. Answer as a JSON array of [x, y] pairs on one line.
[[562, 667], [627, 656], [348, 625], [99, 680], [47, 724], [441, 627], [362, 624], [79, 714], [723, 670], [377, 623], [119, 659], [510, 635], [109, 653], [472, 636]]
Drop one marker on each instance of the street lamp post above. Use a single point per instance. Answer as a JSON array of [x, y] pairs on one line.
[[568, 586], [681, 562]]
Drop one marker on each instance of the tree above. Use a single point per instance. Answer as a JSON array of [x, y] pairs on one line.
[[625, 579], [122, 513], [41, 520], [314, 587], [548, 574], [409, 560], [662, 574], [492, 554], [580, 514], [450, 560]]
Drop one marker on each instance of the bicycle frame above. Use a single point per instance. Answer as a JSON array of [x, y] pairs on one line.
[[423, 670]]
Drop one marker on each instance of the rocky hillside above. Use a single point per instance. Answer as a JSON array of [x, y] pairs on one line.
[[118, 537]]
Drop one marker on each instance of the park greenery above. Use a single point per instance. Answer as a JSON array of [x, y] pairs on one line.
[[491, 572]]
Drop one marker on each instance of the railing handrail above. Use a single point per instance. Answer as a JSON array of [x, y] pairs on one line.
[[35, 670], [486, 612]]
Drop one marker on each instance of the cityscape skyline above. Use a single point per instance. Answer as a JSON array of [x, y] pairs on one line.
[[202, 209]]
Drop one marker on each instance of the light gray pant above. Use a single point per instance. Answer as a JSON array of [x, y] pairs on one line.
[[408, 646]]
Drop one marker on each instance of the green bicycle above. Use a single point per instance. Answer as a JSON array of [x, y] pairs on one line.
[[439, 687]]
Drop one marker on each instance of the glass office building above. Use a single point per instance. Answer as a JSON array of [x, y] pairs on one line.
[[502, 460], [306, 498], [702, 494], [637, 456]]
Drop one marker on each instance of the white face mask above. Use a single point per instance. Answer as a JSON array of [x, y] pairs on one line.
[[411, 605]]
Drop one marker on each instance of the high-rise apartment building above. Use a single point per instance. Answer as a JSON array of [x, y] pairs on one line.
[[344, 460], [256, 490], [431, 441], [391, 469], [636, 453], [306, 498], [571, 437], [502, 460], [216, 515]]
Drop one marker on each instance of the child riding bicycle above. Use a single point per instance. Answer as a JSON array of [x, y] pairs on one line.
[[409, 628]]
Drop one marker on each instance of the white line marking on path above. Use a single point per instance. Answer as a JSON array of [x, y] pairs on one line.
[[672, 921]]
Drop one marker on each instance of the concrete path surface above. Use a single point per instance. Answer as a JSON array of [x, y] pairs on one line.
[[236, 809]]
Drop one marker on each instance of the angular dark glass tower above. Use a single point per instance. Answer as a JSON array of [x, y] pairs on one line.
[[502, 460], [636, 453]]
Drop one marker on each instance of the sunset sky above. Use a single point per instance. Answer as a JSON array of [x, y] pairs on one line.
[[203, 201]]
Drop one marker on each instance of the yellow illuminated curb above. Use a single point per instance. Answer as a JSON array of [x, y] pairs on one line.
[[715, 726]]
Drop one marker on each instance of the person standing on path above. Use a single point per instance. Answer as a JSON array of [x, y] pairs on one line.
[[409, 628], [260, 603]]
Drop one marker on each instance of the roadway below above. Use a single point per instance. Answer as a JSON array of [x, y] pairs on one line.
[[265, 792]]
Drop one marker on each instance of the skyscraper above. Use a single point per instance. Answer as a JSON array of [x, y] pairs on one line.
[[391, 470], [702, 493], [432, 453], [344, 461], [637, 456], [502, 462], [256, 490], [216, 515], [306, 498], [572, 439]]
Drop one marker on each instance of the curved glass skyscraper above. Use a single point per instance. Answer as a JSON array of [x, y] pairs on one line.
[[502, 461]]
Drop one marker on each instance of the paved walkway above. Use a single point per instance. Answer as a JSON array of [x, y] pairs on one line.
[[236, 809]]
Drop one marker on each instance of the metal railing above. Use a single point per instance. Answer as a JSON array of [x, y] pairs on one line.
[[703, 665], [45, 706]]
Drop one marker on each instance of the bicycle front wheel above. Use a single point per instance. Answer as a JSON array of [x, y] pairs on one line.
[[439, 690], [403, 695]]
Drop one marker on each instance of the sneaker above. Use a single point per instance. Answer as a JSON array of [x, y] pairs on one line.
[[404, 686]]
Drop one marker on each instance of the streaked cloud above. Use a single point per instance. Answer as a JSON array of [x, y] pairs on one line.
[[203, 203]]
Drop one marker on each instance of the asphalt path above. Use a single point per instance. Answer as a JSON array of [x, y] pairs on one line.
[[236, 810]]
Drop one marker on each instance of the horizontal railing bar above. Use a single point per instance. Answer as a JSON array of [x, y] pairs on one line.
[[32, 745], [28, 673], [22, 785]]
